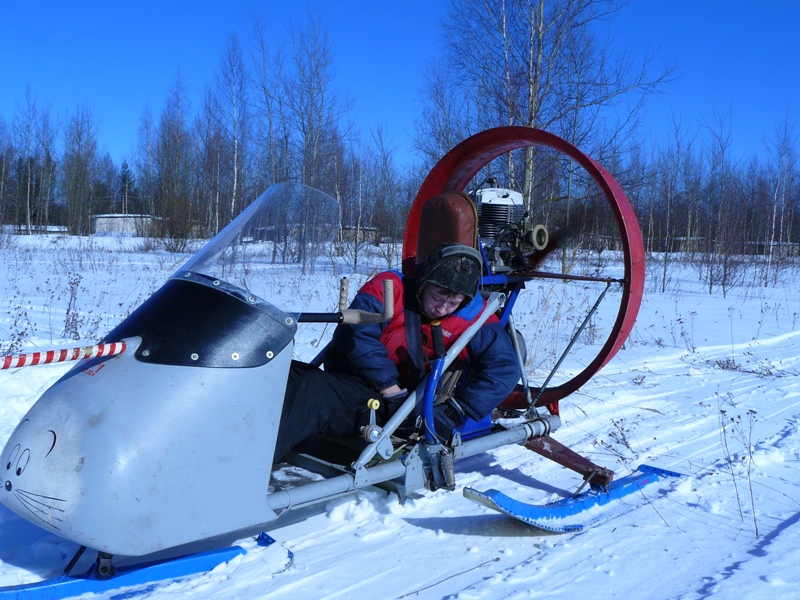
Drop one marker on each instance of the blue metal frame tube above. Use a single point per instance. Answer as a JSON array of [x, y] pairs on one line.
[[494, 302]]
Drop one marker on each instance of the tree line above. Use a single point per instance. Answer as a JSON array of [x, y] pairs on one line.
[[270, 114], [273, 113]]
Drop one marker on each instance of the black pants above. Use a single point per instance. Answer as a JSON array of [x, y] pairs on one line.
[[318, 402]]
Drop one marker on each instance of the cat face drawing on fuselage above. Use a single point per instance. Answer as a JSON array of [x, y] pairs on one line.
[[30, 448]]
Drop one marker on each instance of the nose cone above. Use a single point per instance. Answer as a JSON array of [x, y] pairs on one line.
[[26, 467], [133, 458]]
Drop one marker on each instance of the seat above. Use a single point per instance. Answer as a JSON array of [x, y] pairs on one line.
[[450, 217]]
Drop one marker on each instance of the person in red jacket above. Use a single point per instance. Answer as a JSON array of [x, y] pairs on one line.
[[385, 360]]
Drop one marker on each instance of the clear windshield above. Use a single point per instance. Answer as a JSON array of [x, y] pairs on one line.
[[289, 224]]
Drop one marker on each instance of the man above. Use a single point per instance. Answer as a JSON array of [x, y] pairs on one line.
[[385, 360]]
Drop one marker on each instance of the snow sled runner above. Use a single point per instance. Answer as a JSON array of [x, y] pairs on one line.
[[581, 510], [144, 576], [168, 444], [140, 578]]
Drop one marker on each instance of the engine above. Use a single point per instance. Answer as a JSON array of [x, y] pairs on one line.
[[504, 227]]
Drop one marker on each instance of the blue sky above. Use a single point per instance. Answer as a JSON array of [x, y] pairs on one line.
[[734, 58]]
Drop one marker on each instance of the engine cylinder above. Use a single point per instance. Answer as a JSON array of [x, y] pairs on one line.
[[497, 209]]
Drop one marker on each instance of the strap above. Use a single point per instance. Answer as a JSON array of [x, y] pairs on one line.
[[413, 327]]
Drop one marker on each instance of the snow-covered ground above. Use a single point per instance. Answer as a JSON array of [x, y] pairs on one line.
[[707, 386]]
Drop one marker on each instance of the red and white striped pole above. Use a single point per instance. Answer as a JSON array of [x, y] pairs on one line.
[[46, 357]]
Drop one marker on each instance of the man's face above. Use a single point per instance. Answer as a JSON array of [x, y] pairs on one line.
[[438, 302]]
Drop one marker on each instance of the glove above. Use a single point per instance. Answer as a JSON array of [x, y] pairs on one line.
[[392, 402]]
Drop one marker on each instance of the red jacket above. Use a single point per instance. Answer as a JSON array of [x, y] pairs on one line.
[[379, 353]]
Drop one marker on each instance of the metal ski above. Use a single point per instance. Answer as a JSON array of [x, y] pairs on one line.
[[136, 580], [583, 510], [148, 575]]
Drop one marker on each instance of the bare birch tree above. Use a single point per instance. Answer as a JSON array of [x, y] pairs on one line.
[[46, 136], [446, 117], [672, 190], [315, 109], [6, 161], [231, 88], [270, 108], [78, 168], [784, 182], [146, 162], [541, 64], [721, 264], [209, 165], [173, 164], [24, 125], [391, 202]]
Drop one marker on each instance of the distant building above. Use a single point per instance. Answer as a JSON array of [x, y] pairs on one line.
[[777, 248], [688, 244], [21, 230], [351, 233], [129, 225]]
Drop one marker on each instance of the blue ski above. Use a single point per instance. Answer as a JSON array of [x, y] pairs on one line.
[[564, 516], [148, 575]]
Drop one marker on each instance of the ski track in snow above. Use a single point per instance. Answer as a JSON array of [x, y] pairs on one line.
[[660, 401]]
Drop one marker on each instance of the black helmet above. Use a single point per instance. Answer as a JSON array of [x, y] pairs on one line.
[[454, 267]]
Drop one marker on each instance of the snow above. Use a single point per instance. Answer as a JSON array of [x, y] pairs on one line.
[[706, 385]]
